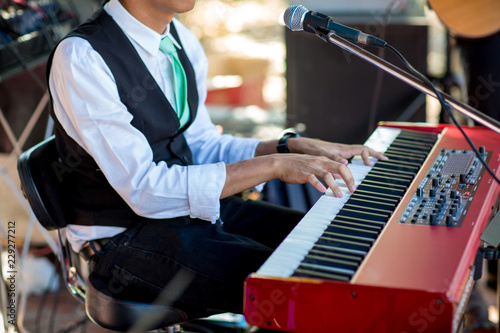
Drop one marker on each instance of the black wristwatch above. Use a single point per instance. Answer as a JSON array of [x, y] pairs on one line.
[[283, 142]]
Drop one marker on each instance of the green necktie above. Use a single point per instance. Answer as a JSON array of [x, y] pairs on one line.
[[180, 80]]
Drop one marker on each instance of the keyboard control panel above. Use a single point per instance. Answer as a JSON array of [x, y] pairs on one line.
[[445, 193]]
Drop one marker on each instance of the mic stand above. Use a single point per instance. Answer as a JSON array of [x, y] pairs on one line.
[[479, 117], [329, 36]]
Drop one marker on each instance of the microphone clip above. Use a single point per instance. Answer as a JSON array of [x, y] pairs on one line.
[[322, 33]]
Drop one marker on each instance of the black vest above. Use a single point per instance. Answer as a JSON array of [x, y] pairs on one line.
[[91, 199]]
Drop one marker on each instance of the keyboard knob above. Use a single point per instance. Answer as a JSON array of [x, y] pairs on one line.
[[449, 220], [463, 178], [453, 211]]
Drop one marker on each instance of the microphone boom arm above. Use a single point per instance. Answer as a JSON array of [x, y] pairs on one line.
[[406, 77]]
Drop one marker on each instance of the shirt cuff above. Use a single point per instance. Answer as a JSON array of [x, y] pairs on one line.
[[205, 184]]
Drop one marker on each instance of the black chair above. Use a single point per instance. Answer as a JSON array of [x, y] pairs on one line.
[[40, 174]]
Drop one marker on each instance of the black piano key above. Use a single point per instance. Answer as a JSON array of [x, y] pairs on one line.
[[348, 212], [329, 261], [370, 195], [355, 231], [381, 189], [415, 143], [400, 176], [384, 182], [396, 165], [316, 273], [370, 210], [405, 151], [357, 222], [344, 243], [423, 137], [417, 140], [336, 254], [413, 162], [339, 250], [398, 156], [348, 237], [372, 203], [327, 268], [384, 168], [410, 145], [353, 221], [387, 180]]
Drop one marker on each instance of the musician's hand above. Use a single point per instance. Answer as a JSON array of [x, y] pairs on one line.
[[309, 161], [302, 168], [334, 151]]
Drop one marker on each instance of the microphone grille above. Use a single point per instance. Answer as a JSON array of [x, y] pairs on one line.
[[294, 16]]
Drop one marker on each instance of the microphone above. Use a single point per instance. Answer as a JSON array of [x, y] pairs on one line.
[[298, 18]]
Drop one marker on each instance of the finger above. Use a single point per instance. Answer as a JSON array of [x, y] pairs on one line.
[[365, 155], [378, 155], [332, 184], [337, 158], [314, 181], [367, 152], [346, 175]]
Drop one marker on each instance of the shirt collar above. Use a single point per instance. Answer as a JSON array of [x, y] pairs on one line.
[[144, 36]]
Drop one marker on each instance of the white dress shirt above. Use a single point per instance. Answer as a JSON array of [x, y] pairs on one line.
[[87, 104]]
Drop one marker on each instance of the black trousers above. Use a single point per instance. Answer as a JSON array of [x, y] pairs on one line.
[[198, 266]]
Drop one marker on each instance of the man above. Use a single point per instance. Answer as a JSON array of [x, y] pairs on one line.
[[152, 181]]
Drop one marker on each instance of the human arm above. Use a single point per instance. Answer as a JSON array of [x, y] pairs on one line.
[[87, 104], [309, 160]]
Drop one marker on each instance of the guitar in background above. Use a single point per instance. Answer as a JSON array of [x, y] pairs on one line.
[[469, 18]]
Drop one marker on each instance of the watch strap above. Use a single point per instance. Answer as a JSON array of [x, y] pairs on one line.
[[283, 142]]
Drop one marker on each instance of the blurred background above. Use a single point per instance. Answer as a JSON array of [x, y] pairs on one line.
[[262, 79]]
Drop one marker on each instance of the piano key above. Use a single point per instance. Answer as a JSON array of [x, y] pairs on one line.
[[306, 273], [352, 219], [334, 253], [328, 268], [360, 201], [344, 243], [381, 189], [326, 260], [359, 231], [396, 155], [412, 153]]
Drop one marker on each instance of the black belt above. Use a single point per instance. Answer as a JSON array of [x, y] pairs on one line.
[[93, 247]]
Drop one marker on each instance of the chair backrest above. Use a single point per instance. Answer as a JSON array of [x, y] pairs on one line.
[[41, 174], [42, 186], [38, 169]]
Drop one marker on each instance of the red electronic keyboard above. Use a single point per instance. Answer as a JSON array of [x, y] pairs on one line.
[[395, 256]]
